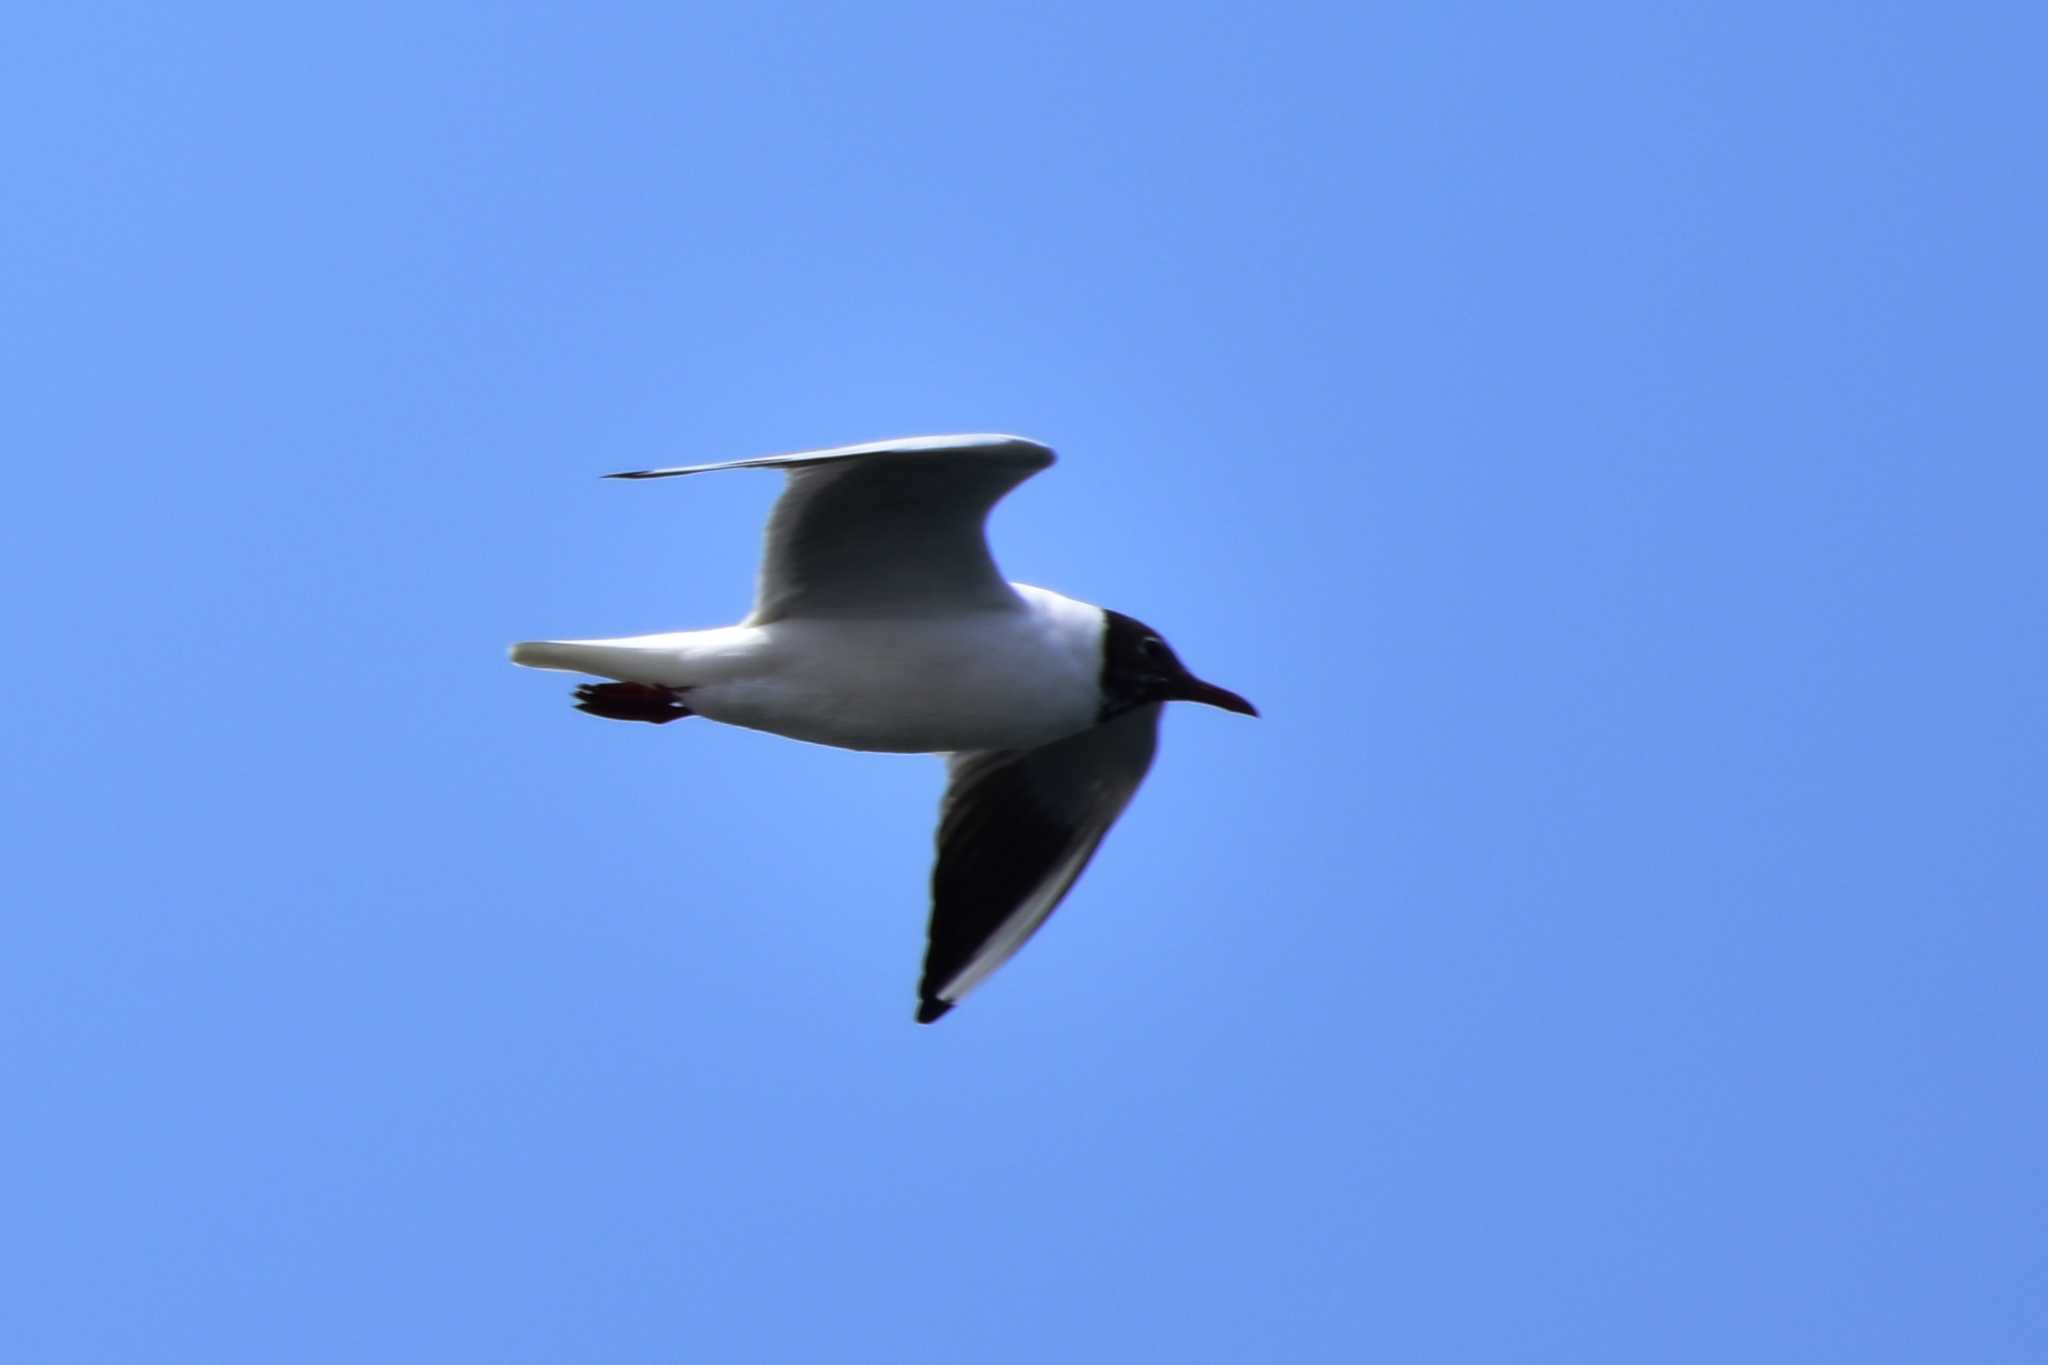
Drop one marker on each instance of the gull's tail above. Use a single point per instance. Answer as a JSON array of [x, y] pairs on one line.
[[639, 659]]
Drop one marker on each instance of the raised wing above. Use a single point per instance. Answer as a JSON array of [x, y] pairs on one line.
[[891, 528], [1016, 828]]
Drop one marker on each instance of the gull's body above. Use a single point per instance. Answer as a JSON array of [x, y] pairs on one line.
[[1011, 678], [880, 623]]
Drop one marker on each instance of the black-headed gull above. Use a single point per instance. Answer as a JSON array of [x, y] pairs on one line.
[[881, 623]]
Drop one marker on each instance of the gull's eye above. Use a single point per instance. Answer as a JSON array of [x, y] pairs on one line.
[[1154, 649]]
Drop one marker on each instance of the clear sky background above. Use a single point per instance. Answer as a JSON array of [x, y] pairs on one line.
[[1605, 440]]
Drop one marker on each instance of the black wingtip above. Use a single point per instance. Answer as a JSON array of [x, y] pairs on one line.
[[929, 1010]]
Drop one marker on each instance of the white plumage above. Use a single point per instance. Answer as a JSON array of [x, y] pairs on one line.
[[880, 622]]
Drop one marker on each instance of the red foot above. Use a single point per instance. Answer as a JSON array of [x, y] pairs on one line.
[[632, 701]]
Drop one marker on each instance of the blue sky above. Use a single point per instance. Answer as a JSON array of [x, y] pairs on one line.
[[1605, 440]]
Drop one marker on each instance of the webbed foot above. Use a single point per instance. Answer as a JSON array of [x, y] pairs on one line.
[[632, 701]]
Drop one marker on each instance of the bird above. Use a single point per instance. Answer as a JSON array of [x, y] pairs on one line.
[[881, 623]]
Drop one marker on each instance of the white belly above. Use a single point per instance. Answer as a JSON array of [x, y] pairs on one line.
[[996, 682], [1011, 679]]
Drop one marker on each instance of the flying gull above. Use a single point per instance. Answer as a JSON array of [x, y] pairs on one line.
[[881, 623]]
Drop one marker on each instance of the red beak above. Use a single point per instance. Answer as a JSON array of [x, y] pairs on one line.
[[1209, 694]]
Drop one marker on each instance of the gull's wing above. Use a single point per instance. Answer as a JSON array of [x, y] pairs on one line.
[[891, 528], [1016, 828]]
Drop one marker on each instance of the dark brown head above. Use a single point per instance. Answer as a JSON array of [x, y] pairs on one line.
[[1139, 667]]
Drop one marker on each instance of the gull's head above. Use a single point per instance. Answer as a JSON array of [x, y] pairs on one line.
[[1139, 667]]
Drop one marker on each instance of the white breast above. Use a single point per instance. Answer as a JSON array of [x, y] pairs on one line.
[[980, 680]]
